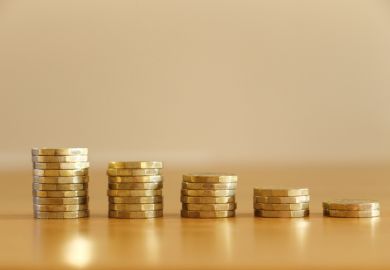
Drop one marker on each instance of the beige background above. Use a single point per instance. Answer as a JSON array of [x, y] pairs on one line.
[[290, 92]]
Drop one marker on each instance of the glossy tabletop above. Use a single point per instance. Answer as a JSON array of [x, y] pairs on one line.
[[172, 242]]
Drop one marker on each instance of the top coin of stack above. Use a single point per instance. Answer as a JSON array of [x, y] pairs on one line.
[[135, 189], [208, 195], [351, 208], [60, 182], [281, 202]]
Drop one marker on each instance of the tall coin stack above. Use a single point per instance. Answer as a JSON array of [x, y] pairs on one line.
[[351, 208], [281, 202], [135, 189], [60, 182], [208, 195]]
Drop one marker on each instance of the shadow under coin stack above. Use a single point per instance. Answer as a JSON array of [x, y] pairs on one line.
[[135, 189], [281, 203], [60, 182], [208, 195], [351, 208]]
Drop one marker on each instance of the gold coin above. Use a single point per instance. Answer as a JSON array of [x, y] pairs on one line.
[[60, 208], [61, 187], [208, 200], [295, 199], [59, 151], [210, 178], [352, 213], [136, 164], [135, 185], [207, 214], [281, 206], [209, 207], [138, 214], [61, 179], [59, 159], [81, 172], [281, 192], [214, 186], [282, 214], [69, 214], [58, 201], [135, 206], [60, 194], [135, 179], [61, 166], [354, 205], [128, 200], [135, 193], [208, 192], [132, 172]]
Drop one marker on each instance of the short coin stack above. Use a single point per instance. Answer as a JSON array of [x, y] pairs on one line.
[[351, 208], [60, 182], [208, 195], [135, 189], [281, 202]]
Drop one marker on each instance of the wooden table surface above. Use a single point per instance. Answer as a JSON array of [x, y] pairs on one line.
[[171, 242]]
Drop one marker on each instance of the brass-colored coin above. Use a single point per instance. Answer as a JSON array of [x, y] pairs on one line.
[[136, 164], [69, 214], [208, 200], [81, 172], [280, 192], [128, 200], [207, 214], [135, 193], [210, 178], [60, 208], [139, 214], [59, 151], [61, 187], [282, 214], [61, 179], [209, 207], [131, 207], [58, 201], [127, 186], [295, 199], [59, 159], [61, 166], [132, 172], [208, 192], [281, 206], [352, 213], [135, 179], [351, 205], [60, 194], [214, 186]]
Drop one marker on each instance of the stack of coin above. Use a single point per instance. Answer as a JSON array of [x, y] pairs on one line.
[[351, 208], [208, 195], [135, 189], [60, 182], [281, 202]]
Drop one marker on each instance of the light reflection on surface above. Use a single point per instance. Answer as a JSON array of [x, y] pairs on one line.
[[301, 228], [152, 242], [78, 251]]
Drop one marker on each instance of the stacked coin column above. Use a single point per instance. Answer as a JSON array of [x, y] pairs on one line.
[[347, 208], [281, 202], [135, 189], [60, 182], [208, 195]]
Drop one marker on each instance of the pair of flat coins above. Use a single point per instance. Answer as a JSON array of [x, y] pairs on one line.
[[281, 202], [135, 189], [60, 182], [348, 208], [208, 195]]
